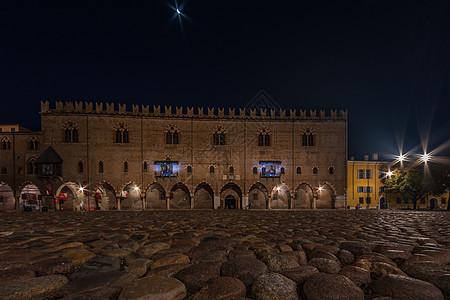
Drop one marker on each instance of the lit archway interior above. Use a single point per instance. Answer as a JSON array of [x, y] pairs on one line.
[[304, 197], [281, 197], [258, 196], [204, 196], [155, 197]]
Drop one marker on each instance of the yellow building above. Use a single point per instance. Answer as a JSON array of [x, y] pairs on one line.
[[365, 188]]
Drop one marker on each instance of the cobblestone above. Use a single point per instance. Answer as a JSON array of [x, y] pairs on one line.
[[106, 254]]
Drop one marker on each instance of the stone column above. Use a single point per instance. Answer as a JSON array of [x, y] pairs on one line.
[[216, 201], [245, 202], [192, 201]]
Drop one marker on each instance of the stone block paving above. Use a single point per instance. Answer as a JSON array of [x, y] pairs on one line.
[[221, 254]]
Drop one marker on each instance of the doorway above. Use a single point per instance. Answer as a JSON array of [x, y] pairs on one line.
[[230, 202]]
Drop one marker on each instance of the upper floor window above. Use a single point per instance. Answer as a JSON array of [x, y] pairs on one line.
[[145, 166], [308, 138], [100, 167], [231, 170], [122, 136], [255, 170], [299, 170], [315, 171], [80, 167], [211, 169], [125, 166], [31, 166], [282, 170], [6, 143], [219, 136], [330, 170], [33, 144], [172, 135], [189, 170], [71, 133], [264, 137], [365, 174]]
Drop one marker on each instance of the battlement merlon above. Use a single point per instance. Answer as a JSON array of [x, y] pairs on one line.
[[80, 107]]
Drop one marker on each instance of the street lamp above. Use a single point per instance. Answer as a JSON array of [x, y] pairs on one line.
[[425, 157]]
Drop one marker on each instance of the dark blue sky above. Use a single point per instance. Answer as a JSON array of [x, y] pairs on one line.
[[387, 62]]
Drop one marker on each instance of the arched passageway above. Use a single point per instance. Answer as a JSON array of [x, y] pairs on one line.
[[258, 196], [383, 203], [231, 196], [7, 201], [203, 196], [155, 197], [304, 197], [434, 203], [130, 197], [72, 197], [281, 197], [326, 197], [180, 197], [105, 197], [30, 196]]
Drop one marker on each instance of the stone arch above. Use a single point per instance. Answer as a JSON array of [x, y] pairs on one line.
[[383, 203], [258, 196], [204, 196], [130, 197], [105, 196], [7, 197], [72, 197], [155, 196], [303, 197], [231, 196], [180, 196], [29, 195], [326, 196], [434, 203], [281, 197]]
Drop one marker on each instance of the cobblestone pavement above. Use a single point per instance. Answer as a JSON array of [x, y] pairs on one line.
[[222, 254]]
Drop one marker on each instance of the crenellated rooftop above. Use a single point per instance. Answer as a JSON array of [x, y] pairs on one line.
[[188, 112]]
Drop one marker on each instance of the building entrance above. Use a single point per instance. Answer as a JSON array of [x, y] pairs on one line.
[[230, 202]]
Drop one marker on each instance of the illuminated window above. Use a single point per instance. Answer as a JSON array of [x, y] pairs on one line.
[[364, 174], [264, 137], [172, 135], [80, 167], [308, 138], [219, 136], [70, 133], [6, 144], [100, 167]]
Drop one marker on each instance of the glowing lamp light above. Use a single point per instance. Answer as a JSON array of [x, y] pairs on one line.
[[178, 11], [136, 188], [320, 188], [425, 157], [401, 158], [389, 173], [81, 189]]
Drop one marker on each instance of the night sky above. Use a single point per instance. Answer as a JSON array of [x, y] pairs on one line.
[[387, 62]]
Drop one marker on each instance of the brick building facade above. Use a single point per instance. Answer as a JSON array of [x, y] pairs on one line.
[[104, 157]]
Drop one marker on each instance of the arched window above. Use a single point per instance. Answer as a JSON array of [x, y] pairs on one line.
[[30, 167], [282, 170], [122, 135], [219, 136], [315, 171], [189, 170], [6, 143], [299, 170], [330, 170], [172, 135], [211, 169], [80, 167], [100, 167], [255, 170], [308, 138], [3, 170], [70, 133], [145, 167], [33, 144], [264, 137], [231, 170], [125, 166]]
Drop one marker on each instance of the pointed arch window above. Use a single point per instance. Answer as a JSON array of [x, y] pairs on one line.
[[31, 167], [331, 170], [264, 137], [172, 135], [315, 171], [70, 133], [100, 166], [231, 170], [122, 135], [6, 143], [125, 166], [299, 170], [189, 170], [33, 144], [145, 166], [219, 136], [80, 167], [282, 170], [255, 170], [308, 138], [211, 169]]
